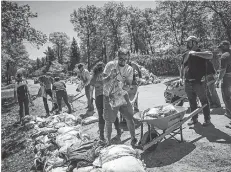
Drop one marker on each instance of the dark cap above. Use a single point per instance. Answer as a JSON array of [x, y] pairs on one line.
[[57, 78], [223, 43]]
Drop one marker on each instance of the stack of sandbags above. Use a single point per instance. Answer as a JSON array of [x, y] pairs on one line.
[[52, 137], [160, 112]]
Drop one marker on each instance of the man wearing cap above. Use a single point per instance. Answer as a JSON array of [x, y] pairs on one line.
[[194, 73], [225, 75], [118, 72]]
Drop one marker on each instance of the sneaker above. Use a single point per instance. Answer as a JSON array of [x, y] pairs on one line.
[[193, 122], [206, 123], [134, 141]]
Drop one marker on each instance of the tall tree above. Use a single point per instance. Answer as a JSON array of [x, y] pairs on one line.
[[74, 54], [60, 41], [86, 22], [38, 63], [16, 28]]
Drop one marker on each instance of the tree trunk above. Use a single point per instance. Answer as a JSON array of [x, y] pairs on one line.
[[88, 50]]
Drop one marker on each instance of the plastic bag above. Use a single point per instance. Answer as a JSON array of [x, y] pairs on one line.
[[68, 138]]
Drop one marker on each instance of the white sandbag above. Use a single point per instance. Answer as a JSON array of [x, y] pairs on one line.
[[60, 125], [38, 119], [125, 163], [54, 161], [114, 152], [168, 110], [59, 169], [63, 130], [84, 169], [66, 140], [90, 120], [88, 169]]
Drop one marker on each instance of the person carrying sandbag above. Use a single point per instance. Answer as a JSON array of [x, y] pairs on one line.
[[97, 83], [118, 74]]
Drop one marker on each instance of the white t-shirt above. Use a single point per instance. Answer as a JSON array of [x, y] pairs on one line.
[[85, 75], [124, 74]]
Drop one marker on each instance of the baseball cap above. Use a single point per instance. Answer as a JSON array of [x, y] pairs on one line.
[[223, 43], [192, 38]]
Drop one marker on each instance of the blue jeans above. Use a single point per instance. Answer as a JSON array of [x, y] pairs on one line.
[[194, 89], [226, 94], [212, 93]]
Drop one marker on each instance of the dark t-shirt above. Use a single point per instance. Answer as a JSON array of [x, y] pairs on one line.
[[196, 67], [21, 89], [97, 82], [59, 85], [210, 68]]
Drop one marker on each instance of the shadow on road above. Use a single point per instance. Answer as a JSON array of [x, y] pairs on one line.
[[167, 152], [212, 134], [218, 111]]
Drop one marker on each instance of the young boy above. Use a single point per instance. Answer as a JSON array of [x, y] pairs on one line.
[[21, 95]]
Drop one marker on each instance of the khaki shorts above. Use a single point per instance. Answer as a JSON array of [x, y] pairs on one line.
[[110, 114]]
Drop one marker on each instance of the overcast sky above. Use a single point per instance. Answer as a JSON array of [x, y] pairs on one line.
[[54, 16]]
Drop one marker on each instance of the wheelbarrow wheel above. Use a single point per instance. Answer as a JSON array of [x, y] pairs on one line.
[[146, 139]]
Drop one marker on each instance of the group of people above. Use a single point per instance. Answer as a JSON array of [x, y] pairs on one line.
[[103, 79], [56, 89], [197, 73]]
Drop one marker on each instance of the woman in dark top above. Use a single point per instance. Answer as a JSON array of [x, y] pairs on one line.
[[97, 83]]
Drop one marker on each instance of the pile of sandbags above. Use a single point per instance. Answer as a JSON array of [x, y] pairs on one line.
[[160, 112], [52, 137], [60, 145]]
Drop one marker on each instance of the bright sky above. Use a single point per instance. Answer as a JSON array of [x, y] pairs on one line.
[[54, 16]]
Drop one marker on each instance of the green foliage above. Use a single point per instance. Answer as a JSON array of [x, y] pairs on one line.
[[15, 30], [159, 64], [74, 54], [16, 26], [103, 30], [60, 41]]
